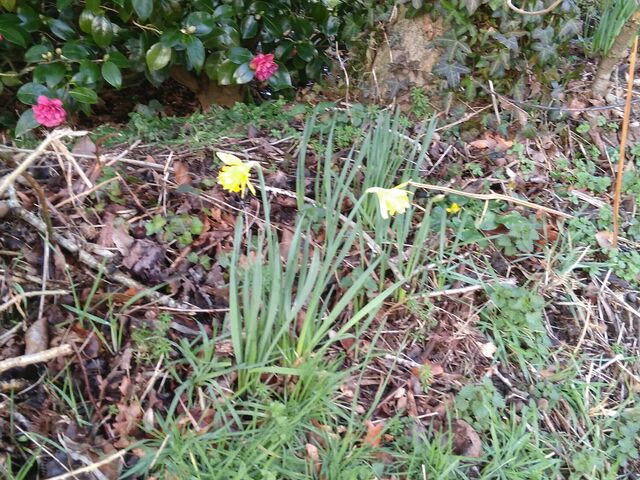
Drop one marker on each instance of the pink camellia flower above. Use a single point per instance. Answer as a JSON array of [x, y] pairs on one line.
[[49, 111], [264, 66]]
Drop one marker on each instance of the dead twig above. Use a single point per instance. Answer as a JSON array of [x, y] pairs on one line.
[[535, 12], [40, 357], [33, 156], [25, 295], [492, 196], [91, 468]]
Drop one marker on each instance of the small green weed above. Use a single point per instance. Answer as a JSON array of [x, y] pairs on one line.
[[151, 341], [521, 235], [183, 228], [514, 319]]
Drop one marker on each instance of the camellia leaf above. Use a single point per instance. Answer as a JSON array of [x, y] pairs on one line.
[[144, 8], [281, 79], [101, 31], [203, 22], [239, 55], [49, 73], [14, 34], [243, 74], [249, 27], [29, 92], [62, 29], [225, 73], [158, 56], [195, 53], [118, 59], [111, 74], [85, 20], [34, 54], [84, 95], [26, 122]]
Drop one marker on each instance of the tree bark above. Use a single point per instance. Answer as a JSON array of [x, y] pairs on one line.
[[207, 92], [616, 55]]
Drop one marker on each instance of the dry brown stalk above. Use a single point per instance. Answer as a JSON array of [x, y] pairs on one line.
[[623, 143]]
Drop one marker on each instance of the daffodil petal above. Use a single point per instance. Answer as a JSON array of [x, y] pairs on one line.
[[228, 159]]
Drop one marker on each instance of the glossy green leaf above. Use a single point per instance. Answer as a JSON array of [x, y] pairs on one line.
[[26, 122], [63, 4], [118, 59], [49, 73], [75, 51], [158, 56], [144, 8], [102, 31], [225, 73], [34, 54], [203, 22], [249, 27], [14, 35], [211, 65], [89, 72], [84, 95], [195, 53], [223, 11], [85, 19], [62, 29], [29, 19], [280, 80], [243, 74], [306, 51], [111, 74], [29, 92], [239, 55]]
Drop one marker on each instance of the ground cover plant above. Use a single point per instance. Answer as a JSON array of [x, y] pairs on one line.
[[321, 288]]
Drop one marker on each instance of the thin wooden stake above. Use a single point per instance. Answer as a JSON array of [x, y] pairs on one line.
[[623, 143]]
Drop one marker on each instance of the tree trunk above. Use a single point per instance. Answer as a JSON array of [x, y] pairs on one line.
[[207, 92], [615, 56]]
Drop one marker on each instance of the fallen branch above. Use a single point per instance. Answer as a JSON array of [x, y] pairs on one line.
[[40, 357], [492, 196], [85, 257]]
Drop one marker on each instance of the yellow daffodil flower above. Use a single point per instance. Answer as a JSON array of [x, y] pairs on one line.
[[454, 208], [392, 200], [235, 175]]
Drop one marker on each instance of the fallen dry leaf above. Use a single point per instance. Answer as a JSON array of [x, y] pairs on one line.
[[374, 434], [488, 349], [313, 455], [604, 239], [36, 339], [483, 143], [466, 441], [181, 173]]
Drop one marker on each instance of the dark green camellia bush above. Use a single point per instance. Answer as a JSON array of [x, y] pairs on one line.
[[70, 50]]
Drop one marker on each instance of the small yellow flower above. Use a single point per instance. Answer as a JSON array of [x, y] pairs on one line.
[[392, 200], [454, 208], [235, 175]]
